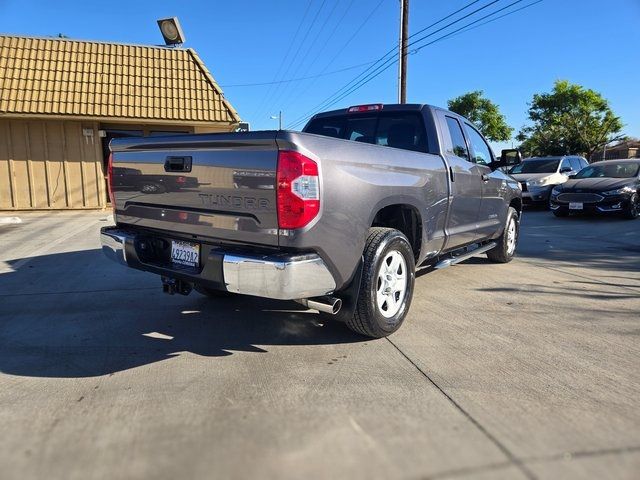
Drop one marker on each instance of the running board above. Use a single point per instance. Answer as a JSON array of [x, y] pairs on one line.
[[447, 262]]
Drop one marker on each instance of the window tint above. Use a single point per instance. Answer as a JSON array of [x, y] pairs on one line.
[[575, 164], [360, 129], [536, 166], [458, 146], [610, 170], [401, 130], [565, 164], [481, 151], [329, 127]]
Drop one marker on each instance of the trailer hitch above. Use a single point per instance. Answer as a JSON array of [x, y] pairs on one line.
[[172, 286]]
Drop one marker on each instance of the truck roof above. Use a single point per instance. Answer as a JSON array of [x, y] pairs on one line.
[[386, 107]]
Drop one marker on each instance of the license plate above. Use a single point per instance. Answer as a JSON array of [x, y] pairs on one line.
[[576, 206], [185, 253]]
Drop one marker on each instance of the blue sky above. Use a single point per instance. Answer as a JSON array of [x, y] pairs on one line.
[[589, 42]]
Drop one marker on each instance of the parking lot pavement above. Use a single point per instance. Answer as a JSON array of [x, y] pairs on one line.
[[525, 370]]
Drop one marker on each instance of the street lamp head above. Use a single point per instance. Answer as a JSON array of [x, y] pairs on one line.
[[171, 31]]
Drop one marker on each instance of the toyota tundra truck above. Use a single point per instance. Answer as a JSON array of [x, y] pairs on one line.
[[336, 217]]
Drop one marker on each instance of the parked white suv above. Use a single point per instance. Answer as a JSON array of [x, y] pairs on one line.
[[538, 175]]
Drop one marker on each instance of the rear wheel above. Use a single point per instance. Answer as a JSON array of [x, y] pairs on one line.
[[505, 250], [633, 209], [386, 287]]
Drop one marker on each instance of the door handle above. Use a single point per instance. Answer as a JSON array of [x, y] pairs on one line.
[[451, 175], [485, 177], [177, 164]]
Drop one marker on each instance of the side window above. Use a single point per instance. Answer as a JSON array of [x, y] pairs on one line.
[[481, 151], [401, 131], [575, 164], [458, 146], [583, 163], [564, 164]]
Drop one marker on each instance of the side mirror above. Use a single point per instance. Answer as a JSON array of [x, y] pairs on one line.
[[508, 158], [511, 157], [565, 169]]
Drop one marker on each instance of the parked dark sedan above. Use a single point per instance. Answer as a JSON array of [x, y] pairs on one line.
[[611, 186]]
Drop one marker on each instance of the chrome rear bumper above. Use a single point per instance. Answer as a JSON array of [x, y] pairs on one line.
[[279, 276]]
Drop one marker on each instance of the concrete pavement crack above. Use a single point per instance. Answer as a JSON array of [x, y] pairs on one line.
[[490, 467], [507, 453]]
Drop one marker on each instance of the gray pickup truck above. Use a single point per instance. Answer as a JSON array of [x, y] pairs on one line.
[[336, 217]]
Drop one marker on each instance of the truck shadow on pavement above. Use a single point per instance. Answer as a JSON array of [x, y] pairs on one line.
[[78, 315]]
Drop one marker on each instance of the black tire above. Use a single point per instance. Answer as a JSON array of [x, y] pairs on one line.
[[212, 293], [383, 248], [633, 209], [505, 250], [560, 213]]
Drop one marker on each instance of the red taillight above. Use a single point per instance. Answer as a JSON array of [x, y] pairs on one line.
[[365, 108], [110, 180], [298, 194]]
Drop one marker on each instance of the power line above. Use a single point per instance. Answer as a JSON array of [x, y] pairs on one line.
[[299, 79], [341, 49], [295, 55], [466, 27], [497, 18], [390, 54], [293, 40], [289, 92], [461, 28], [307, 53]]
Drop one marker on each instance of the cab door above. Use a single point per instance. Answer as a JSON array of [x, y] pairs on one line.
[[493, 209], [466, 184]]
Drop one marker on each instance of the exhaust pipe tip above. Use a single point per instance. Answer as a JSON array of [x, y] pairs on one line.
[[337, 305], [330, 305]]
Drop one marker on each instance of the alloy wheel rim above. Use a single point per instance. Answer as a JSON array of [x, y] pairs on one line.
[[512, 235], [391, 284]]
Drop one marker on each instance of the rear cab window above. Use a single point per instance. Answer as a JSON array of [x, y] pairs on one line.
[[457, 146], [403, 130]]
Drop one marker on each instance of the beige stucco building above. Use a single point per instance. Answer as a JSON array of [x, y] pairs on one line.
[[62, 101]]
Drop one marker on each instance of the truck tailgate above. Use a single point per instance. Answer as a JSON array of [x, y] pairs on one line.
[[211, 186]]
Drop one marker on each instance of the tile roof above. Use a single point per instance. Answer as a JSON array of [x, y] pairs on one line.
[[79, 78]]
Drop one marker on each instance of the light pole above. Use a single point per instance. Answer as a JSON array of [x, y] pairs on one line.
[[279, 117]]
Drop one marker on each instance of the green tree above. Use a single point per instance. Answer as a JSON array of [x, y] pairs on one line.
[[483, 113], [570, 119]]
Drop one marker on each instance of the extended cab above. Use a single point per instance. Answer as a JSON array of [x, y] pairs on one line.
[[336, 217]]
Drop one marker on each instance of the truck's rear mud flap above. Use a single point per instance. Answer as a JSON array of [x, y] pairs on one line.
[[349, 295]]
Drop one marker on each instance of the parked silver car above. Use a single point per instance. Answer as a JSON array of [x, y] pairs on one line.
[[538, 175]]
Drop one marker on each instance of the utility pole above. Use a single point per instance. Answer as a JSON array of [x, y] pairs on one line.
[[279, 117], [402, 51]]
